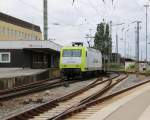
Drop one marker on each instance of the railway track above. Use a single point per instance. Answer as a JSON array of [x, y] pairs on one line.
[[32, 88], [59, 105], [83, 110]]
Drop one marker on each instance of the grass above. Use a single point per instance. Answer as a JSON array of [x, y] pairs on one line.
[[116, 67], [131, 68]]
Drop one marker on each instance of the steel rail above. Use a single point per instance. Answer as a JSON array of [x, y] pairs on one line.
[[27, 86], [91, 98], [30, 113], [82, 107], [32, 88]]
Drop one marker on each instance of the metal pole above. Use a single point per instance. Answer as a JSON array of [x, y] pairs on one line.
[[146, 7], [116, 43], [45, 20], [137, 46], [116, 48], [125, 45], [128, 50]]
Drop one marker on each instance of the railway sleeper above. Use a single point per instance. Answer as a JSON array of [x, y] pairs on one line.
[[45, 108], [27, 116], [51, 104], [38, 111], [33, 113], [20, 118]]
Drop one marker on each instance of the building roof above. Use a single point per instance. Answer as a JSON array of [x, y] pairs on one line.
[[129, 60], [116, 54], [18, 22], [28, 44]]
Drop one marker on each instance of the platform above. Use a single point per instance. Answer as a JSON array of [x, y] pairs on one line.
[[14, 72], [14, 77], [135, 106]]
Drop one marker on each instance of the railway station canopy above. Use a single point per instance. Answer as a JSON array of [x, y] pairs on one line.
[[30, 45]]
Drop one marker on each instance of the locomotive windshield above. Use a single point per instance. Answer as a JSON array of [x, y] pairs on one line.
[[72, 53]]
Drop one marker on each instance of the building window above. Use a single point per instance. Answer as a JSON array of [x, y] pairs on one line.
[[5, 57]]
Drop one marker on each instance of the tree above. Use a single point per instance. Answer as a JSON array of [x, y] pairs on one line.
[[108, 42], [102, 39]]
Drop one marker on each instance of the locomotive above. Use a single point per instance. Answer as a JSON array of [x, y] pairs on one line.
[[80, 60]]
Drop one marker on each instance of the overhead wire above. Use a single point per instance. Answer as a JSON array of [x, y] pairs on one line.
[[41, 12]]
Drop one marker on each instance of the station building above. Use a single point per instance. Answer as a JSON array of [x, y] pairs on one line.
[[12, 28], [35, 54]]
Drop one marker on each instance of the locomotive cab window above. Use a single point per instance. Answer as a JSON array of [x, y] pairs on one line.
[[72, 53]]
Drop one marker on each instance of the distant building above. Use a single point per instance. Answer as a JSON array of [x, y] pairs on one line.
[[115, 58], [129, 62], [143, 65], [12, 28]]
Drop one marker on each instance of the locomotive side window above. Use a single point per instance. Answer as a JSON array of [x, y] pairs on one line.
[[72, 53]]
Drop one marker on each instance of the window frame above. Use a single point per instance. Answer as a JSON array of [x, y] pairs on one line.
[[9, 57]]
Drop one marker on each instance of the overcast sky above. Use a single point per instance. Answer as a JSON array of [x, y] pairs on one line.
[[76, 20]]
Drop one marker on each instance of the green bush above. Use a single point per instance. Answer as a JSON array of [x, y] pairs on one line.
[[116, 67], [131, 68]]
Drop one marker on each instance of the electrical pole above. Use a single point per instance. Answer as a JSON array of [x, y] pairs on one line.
[[116, 43], [137, 54], [45, 19], [90, 30], [90, 37], [125, 45], [137, 45], [141, 55], [125, 40], [116, 56], [116, 48], [146, 7]]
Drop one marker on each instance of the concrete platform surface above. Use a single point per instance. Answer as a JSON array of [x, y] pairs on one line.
[[135, 106], [15, 72]]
